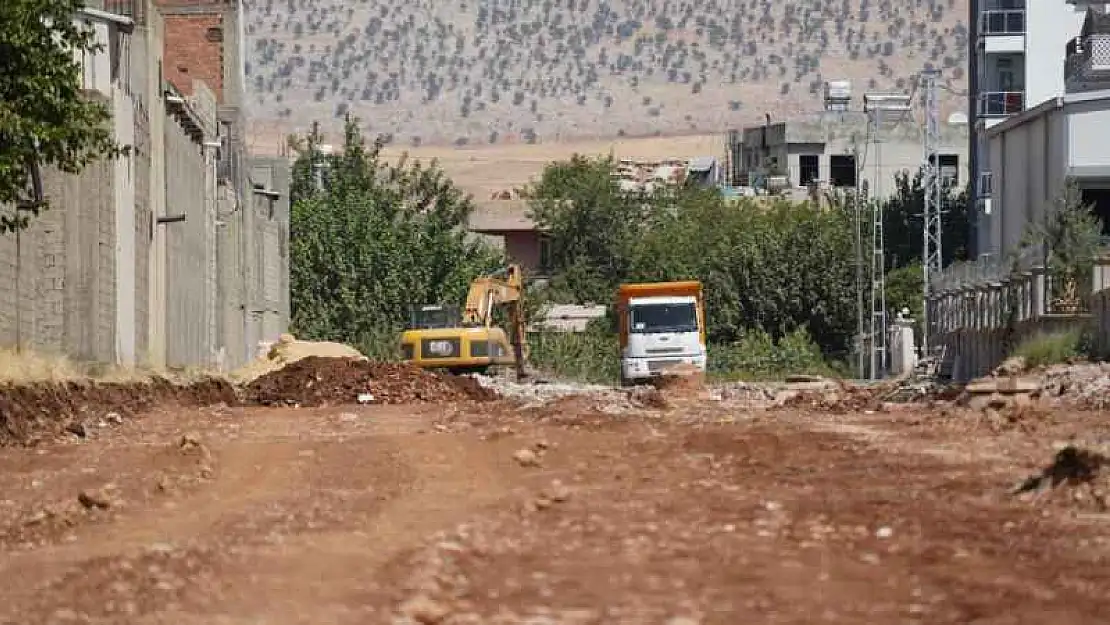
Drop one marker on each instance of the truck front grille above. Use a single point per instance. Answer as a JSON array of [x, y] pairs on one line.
[[665, 350]]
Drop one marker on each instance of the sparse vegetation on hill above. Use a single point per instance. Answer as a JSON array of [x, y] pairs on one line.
[[472, 72]]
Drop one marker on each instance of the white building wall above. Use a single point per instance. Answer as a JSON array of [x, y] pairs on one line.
[[1050, 24], [1034, 153], [1088, 135]]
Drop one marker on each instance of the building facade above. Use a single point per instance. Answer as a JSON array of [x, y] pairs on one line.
[[1034, 152], [1018, 63], [842, 149]]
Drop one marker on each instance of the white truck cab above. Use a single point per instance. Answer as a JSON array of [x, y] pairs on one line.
[[662, 325]]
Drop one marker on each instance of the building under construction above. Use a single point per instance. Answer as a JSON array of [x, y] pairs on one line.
[[842, 147]]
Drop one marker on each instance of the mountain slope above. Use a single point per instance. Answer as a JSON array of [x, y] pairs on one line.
[[493, 71]]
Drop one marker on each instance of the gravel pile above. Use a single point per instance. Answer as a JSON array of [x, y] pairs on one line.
[[539, 394]]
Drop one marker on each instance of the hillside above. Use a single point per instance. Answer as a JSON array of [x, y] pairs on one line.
[[479, 72]]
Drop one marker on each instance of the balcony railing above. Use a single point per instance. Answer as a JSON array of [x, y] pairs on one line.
[[1009, 22], [1088, 59], [1001, 103], [127, 8]]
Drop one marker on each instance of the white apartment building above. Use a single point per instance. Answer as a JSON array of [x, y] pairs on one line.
[[1018, 63]]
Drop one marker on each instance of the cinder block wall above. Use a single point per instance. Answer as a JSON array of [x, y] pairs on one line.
[[57, 278], [99, 279]]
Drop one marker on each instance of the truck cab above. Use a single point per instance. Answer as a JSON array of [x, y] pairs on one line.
[[661, 326]]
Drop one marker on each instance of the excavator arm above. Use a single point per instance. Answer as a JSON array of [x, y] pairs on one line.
[[504, 289]]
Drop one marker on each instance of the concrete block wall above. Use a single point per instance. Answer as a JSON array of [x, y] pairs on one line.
[[979, 323], [107, 275], [57, 284], [190, 252]]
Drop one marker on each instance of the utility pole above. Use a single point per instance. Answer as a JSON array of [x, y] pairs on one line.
[[880, 108], [860, 201], [932, 223]]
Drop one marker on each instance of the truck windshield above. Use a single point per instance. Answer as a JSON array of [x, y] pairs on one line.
[[652, 318]]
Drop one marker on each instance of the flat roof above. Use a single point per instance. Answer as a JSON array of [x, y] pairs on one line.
[[1101, 96], [500, 216]]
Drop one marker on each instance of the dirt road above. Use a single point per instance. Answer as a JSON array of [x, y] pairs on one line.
[[683, 513]]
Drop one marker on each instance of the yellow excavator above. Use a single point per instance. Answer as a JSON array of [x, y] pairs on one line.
[[435, 338]]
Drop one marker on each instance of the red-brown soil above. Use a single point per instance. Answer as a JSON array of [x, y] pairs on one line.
[[320, 381], [671, 512]]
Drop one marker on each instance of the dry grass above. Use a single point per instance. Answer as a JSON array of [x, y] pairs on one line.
[[27, 367], [483, 170]]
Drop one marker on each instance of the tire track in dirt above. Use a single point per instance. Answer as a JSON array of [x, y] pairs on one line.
[[342, 575]]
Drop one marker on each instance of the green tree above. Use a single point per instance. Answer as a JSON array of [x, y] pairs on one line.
[[903, 226], [45, 119], [1070, 235], [369, 239], [593, 227], [776, 267]]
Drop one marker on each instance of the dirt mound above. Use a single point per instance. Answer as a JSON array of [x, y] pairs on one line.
[[318, 381], [289, 349], [34, 412]]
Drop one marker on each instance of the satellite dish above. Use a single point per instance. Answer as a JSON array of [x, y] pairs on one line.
[[959, 118]]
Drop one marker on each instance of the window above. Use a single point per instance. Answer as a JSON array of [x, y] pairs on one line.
[[545, 253], [809, 169], [949, 169], [842, 170], [650, 318]]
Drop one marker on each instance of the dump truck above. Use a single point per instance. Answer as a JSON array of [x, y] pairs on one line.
[[438, 337], [662, 330]]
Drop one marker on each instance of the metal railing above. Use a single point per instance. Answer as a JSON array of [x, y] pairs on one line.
[[1001, 103], [1089, 58], [998, 22], [135, 9]]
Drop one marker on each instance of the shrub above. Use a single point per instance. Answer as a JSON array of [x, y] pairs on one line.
[[1049, 348]]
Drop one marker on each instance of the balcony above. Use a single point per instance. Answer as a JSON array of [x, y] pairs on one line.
[[1001, 103], [134, 9], [1087, 66], [1010, 22]]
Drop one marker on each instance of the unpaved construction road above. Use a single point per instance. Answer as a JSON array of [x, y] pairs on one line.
[[683, 511]]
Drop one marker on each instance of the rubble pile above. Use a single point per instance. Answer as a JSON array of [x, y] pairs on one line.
[[1083, 385], [320, 381], [532, 394]]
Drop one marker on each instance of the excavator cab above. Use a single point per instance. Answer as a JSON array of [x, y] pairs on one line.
[[433, 317], [439, 337]]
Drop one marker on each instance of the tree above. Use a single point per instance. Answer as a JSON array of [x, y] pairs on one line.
[[903, 226], [1070, 235], [45, 120], [369, 239], [592, 226], [775, 267]]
